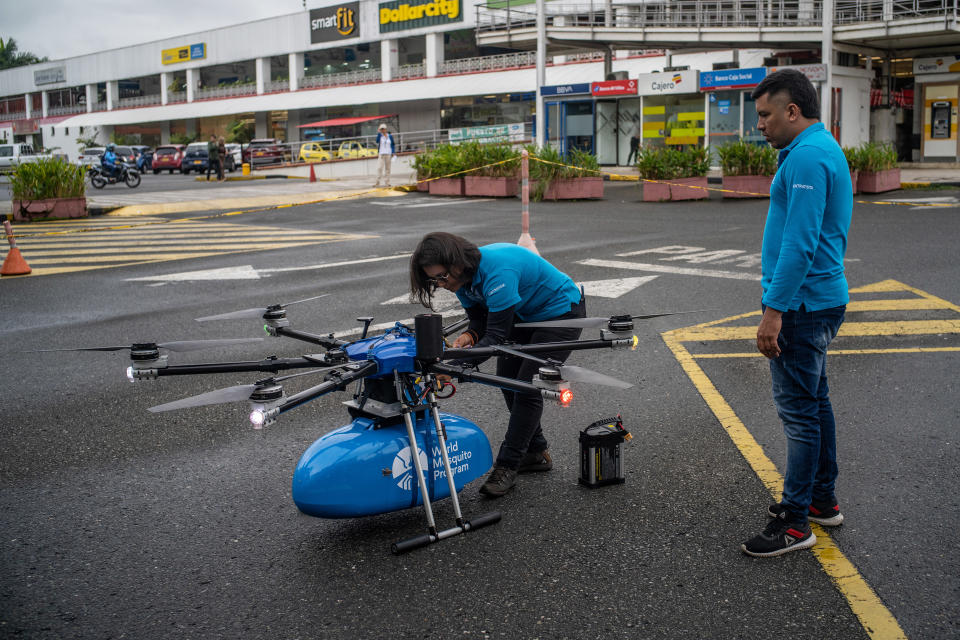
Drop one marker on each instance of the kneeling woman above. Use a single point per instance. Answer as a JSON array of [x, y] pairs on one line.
[[498, 285]]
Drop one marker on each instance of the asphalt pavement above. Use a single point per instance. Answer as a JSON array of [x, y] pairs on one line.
[[118, 522]]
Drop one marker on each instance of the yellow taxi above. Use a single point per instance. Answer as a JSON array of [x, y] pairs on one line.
[[355, 149], [313, 152]]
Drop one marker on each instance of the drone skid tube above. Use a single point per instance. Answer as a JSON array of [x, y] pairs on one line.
[[270, 365], [327, 341], [339, 383]]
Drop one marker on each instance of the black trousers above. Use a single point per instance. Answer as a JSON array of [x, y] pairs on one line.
[[215, 166], [524, 431]]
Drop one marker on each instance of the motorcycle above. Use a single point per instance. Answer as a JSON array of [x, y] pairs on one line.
[[126, 174]]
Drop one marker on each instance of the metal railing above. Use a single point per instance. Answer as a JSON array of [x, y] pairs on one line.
[[854, 11], [410, 71], [501, 15], [174, 97], [489, 63], [276, 85], [359, 76], [226, 91], [13, 115], [66, 110], [139, 101]]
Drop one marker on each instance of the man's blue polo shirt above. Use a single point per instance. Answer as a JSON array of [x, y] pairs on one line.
[[511, 275], [805, 236]]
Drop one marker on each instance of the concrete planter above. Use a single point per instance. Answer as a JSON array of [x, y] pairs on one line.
[[878, 181], [26, 210], [505, 187], [589, 188], [422, 186], [446, 187], [746, 186], [677, 189]]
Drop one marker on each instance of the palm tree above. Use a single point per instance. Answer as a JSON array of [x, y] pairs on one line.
[[10, 57]]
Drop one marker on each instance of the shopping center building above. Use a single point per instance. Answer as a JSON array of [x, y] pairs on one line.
[[673, 73]]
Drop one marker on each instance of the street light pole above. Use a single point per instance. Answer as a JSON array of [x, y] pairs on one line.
[[541, 74]]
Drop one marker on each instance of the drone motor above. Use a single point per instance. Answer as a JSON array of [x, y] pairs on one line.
[[553, 385], [275, 317]]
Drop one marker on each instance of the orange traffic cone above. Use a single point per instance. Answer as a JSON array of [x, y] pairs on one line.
[[313, 176], [14, 264]]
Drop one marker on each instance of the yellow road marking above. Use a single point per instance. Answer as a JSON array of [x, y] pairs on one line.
[[153, 248], [877, 620]]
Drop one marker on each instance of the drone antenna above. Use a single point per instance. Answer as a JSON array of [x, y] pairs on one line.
[[366, 320]]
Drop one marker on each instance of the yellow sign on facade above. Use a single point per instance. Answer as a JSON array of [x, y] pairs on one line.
[[184, 54]]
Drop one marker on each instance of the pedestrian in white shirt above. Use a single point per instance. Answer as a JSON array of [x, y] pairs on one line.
[[387, 149]]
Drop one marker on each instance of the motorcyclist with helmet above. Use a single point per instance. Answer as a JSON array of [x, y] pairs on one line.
[[109, 162]]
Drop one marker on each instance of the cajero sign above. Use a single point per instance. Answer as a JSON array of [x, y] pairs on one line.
[[335, 23], [668, 82], [400, 15]]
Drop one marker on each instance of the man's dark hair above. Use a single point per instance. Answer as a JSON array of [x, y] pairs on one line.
[[446, 250], [798, 88]]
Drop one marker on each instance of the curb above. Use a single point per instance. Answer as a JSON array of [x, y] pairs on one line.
[[243, 178]]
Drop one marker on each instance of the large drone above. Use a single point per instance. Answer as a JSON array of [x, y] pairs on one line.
[[399, 450]]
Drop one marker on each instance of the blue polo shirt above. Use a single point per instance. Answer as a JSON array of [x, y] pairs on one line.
[[511, 275], [805, 236]]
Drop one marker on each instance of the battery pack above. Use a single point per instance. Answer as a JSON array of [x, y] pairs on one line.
[[601, 453]]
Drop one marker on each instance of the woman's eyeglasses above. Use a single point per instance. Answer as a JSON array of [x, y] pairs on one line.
[[437, 279]]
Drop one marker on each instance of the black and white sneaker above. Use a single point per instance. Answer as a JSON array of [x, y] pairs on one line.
[[779, 537], [823, 513]]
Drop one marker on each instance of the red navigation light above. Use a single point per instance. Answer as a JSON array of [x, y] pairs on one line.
[[565, 397]]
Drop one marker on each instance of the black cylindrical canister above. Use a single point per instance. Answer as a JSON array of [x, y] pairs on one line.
[[601, 453], [429, 331]]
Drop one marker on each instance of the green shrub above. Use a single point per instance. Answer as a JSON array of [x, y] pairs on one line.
[[449, 158], [47, 178], [743, 158], [872, 156], [579, 164], [668, 163]]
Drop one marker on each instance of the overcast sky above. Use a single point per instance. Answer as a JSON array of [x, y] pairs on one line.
[[64, 28]]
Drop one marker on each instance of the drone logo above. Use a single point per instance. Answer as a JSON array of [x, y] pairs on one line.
[[403, 468]]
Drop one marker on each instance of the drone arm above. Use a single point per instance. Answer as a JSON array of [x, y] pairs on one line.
[[468, 374], [541, 347], [337, 382], [327, 341], [272, 365]]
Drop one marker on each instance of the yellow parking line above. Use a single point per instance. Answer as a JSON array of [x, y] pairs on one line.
[[876, 619], [892, 328], [833, 352]]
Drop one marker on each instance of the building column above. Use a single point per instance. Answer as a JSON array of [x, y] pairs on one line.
[[293, 124], [165, 132], [190, 125], [91, 96], [164, 92], [295, 66], [113, 95], [192, 77], [389, 59], [826, 57], [28, 104], [44, 103], [260, 124], [263, 74], [434, 54]]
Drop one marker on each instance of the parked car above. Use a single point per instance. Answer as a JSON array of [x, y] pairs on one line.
[[144, 156], [194, 158], [234, 156], [264, 151], [90, 156], [13, 154], [168, 157], [125, 154], [313, 152], [355, 149]]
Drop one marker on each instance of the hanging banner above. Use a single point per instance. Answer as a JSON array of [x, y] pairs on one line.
[[491, 133]]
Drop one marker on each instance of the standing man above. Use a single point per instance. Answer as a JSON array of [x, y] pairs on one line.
[[634, 147], [213, 158], [804, 299], [387, 149]]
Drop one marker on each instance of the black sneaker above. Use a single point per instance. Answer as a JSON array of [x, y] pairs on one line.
[[499, 482], [779, 537], [533, 462], [824, 513]]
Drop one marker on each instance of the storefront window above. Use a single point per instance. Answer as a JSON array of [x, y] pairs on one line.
[[479, 111], [673, 120], [750, 118], [579, 126], [606, 147], [628, 126], [724, 120]]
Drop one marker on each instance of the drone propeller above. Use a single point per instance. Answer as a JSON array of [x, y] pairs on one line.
[[258, 311], [570, 372], [178, 346], [229, 394], [596, 322]]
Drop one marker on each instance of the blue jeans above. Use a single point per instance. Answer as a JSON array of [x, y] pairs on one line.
[[801, 394]]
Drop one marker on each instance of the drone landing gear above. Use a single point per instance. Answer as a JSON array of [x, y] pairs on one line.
[[433, 535]]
